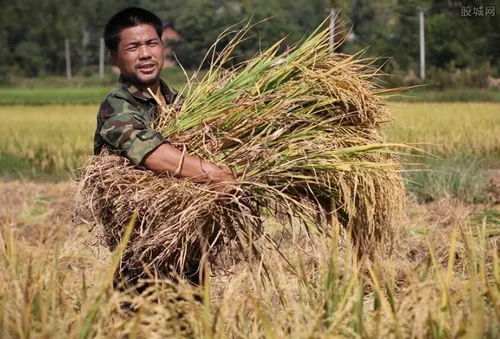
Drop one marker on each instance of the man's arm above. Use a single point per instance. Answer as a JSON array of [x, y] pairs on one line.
[[123, 129], [167, 158]]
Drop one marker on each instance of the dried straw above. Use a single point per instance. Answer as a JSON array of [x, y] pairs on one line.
[[301, 133]]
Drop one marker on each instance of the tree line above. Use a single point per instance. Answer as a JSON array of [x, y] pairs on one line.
[[32, 33]]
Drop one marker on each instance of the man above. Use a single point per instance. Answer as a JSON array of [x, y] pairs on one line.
[[125, 121]]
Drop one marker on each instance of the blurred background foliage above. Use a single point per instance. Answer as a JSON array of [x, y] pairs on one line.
[[461, 52]]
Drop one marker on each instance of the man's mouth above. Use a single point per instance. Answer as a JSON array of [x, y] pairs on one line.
[[147, 67]]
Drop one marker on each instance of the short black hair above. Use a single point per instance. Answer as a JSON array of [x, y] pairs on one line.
[[129, 17]]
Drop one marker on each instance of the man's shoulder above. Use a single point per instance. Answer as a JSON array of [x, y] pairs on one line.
[[118, 99], [119, 95]]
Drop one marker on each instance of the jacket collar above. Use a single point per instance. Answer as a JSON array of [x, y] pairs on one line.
[[144, 95]]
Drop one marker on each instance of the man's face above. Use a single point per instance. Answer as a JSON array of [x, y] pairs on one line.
[[140, 55]]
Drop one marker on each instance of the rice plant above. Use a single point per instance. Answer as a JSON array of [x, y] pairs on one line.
[[304, 137]]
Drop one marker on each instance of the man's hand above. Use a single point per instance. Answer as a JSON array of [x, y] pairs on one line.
[[219, 174], [222, 179]]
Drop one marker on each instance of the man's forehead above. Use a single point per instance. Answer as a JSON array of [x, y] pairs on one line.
[[138, 33]]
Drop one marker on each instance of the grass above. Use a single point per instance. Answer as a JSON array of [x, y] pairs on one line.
[[441, 280], [456, 95], [460, 176]]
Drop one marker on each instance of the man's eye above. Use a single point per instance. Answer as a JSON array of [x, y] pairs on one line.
[[153, 43], [131, 49]]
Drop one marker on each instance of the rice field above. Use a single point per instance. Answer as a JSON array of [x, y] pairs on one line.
[[441, 279], [56, 139], [46, 139], [448, 128]]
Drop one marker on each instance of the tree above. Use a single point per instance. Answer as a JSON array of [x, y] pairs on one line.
[[33, 32]]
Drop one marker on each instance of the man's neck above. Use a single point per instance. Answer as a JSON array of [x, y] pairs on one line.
[[154, 87]]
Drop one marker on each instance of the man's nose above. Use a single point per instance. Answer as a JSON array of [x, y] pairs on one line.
[[144, 52]]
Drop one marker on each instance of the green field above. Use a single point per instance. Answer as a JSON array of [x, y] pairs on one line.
[[49, 96], [423, 95], [77, 92]]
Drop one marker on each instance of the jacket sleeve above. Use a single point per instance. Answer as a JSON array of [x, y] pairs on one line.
[[123, 130]]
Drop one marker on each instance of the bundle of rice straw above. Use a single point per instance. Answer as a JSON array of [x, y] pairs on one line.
[[303, 134]]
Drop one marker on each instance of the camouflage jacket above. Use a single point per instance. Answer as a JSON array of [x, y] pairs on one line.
[[126, 122]]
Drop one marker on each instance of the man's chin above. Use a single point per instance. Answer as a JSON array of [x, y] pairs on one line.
[[148, 80]]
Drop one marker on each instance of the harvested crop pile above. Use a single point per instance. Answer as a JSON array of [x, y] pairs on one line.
[[303, 133]]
